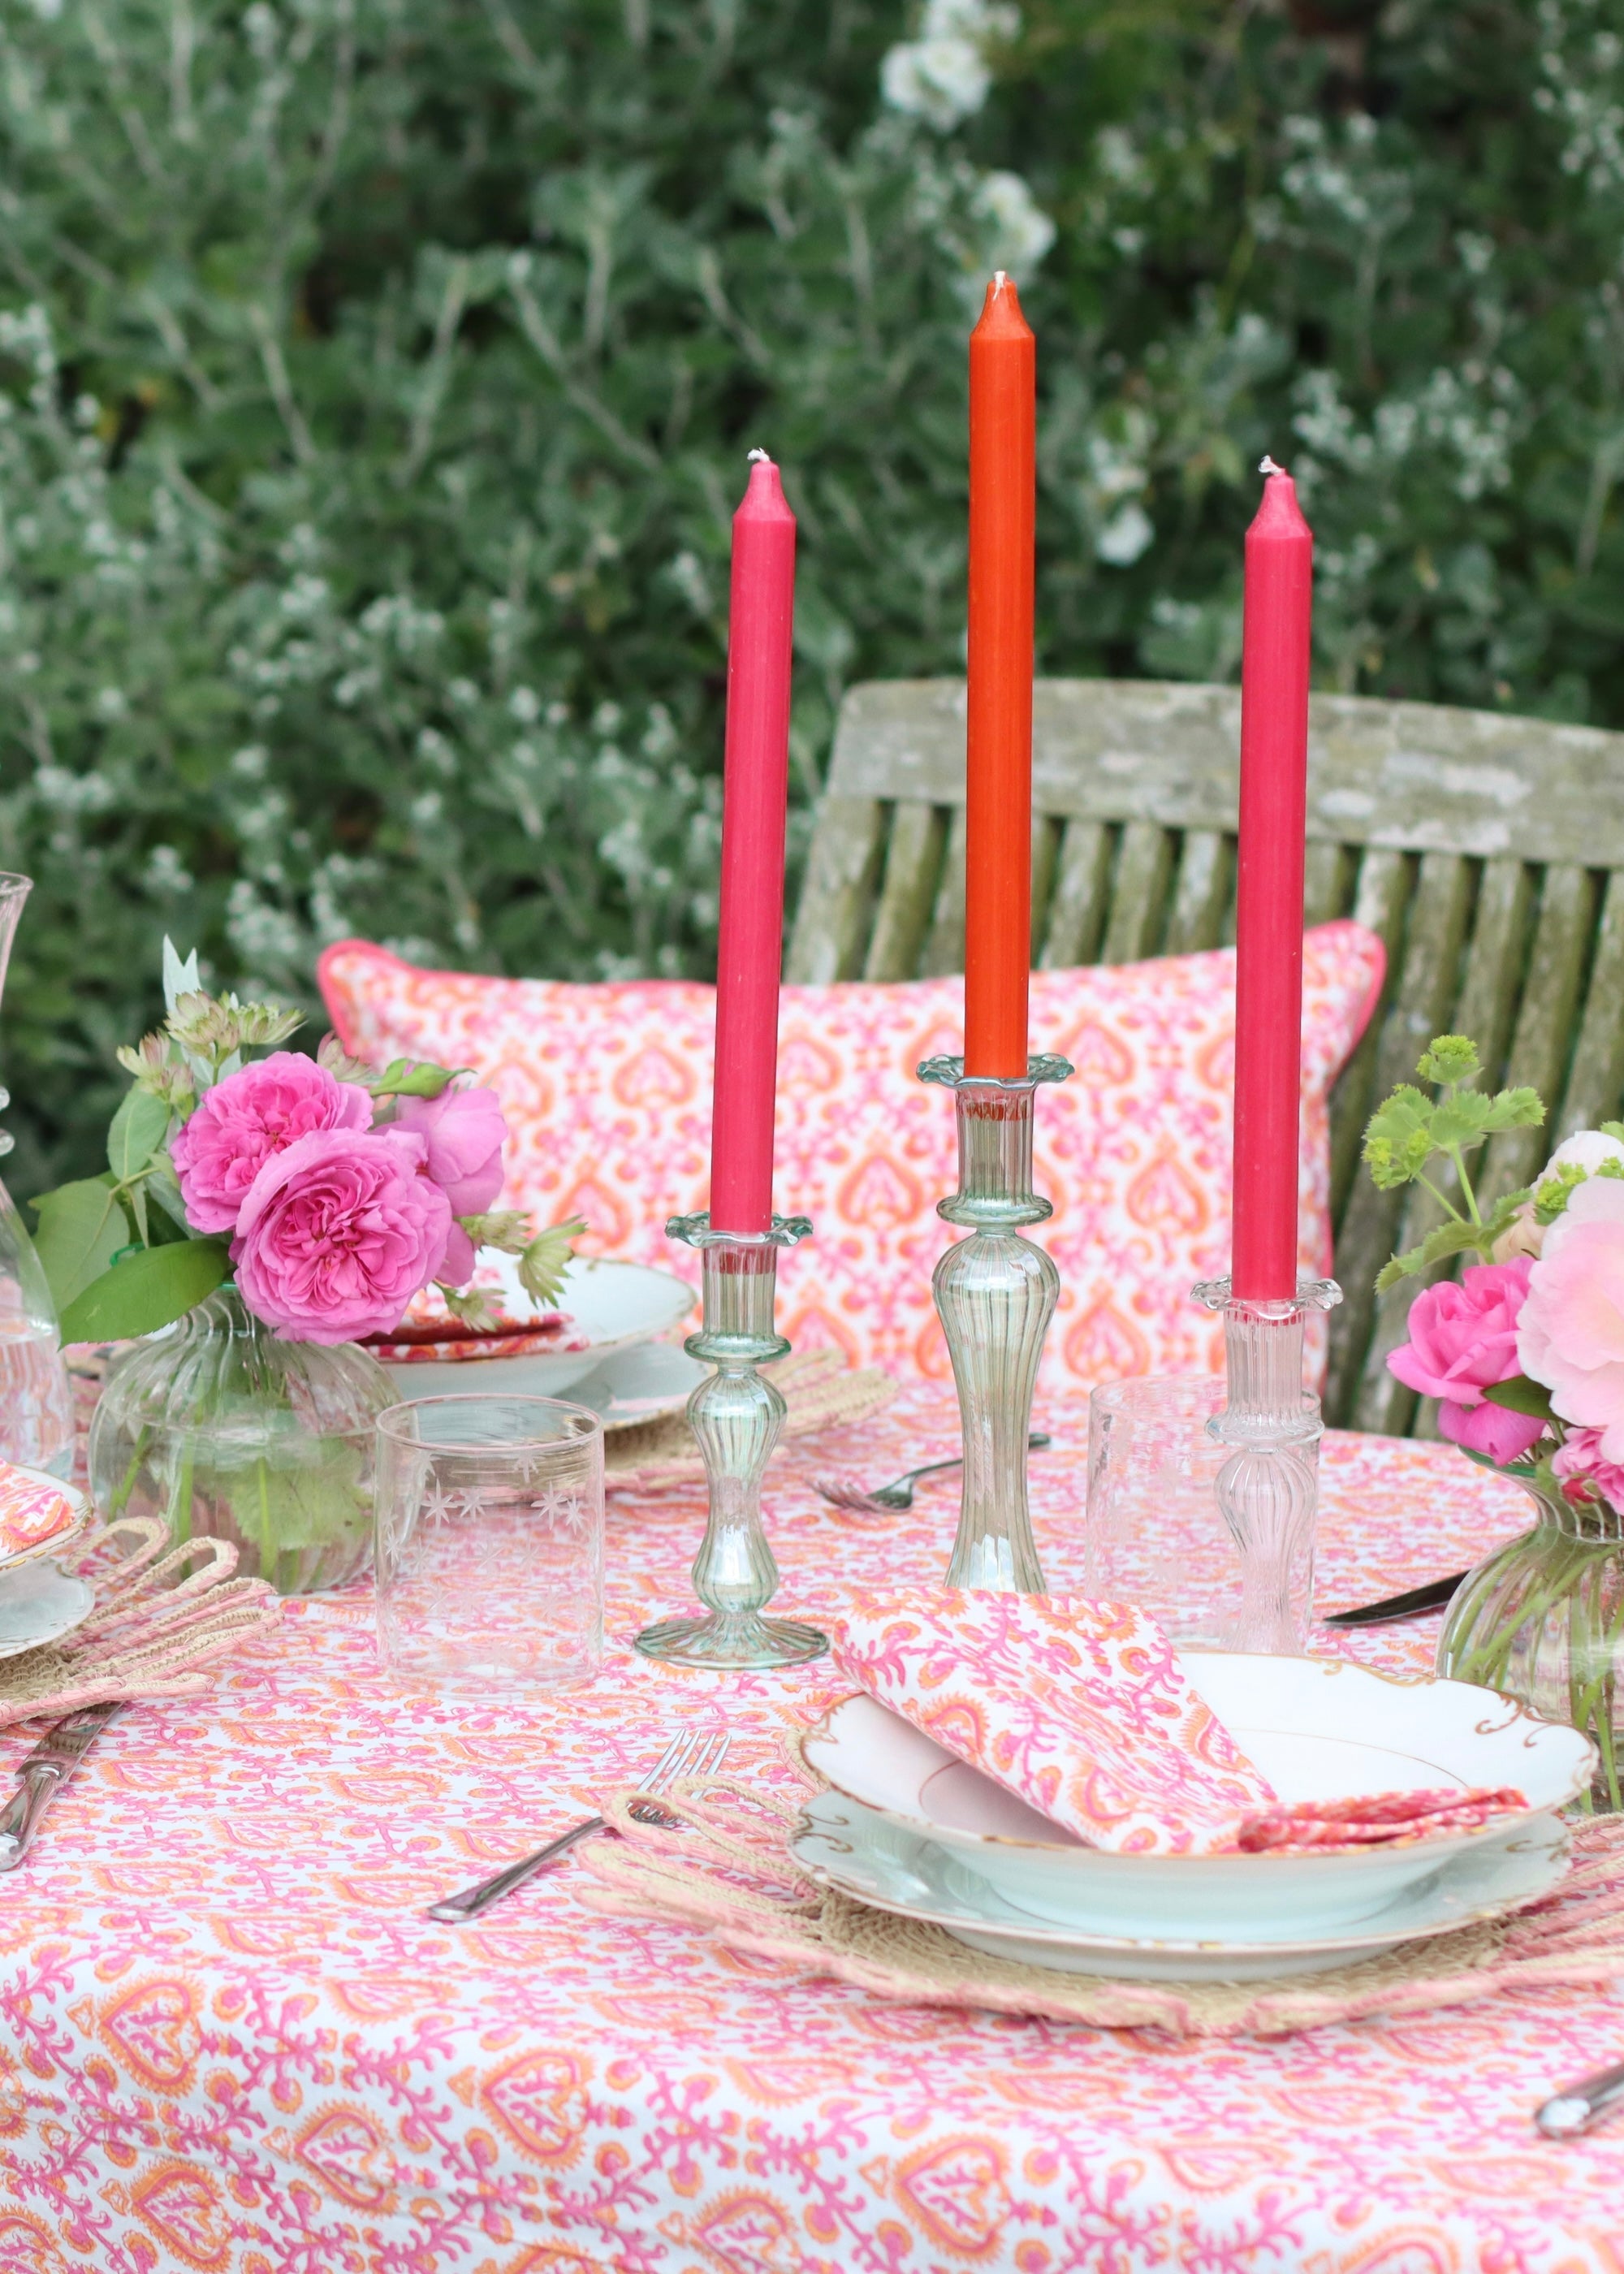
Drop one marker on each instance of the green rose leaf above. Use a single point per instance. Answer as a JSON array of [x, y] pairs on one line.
[[147, 1290], [1521, 1394], [138, 1130], [81, 1229], [413, 1078]]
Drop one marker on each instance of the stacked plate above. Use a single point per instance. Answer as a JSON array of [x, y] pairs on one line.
[[911, 1828], [606, 1353], [40, 1602]]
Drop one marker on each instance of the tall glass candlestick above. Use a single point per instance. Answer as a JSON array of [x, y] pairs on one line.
[[737, 1416], [995, 1294], [1268, 1488]]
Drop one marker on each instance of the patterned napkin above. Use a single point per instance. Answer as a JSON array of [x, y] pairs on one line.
[[1085, 1710], [35, 1513]]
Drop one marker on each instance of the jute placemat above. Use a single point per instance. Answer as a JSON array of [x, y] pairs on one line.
[[725, 1868], [819, 1390], [162, 1615]]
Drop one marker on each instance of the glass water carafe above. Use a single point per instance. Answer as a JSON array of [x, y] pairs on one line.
[[37, 1414]]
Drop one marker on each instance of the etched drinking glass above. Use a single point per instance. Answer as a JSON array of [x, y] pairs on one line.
[[1155, 1533], [489, 1543]]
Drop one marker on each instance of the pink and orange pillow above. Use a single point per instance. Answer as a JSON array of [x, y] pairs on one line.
[[607, 1090]]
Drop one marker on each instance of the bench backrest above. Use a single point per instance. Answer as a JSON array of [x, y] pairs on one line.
[[1487, 850]]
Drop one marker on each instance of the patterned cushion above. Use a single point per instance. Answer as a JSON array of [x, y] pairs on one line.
[[608, 1091]]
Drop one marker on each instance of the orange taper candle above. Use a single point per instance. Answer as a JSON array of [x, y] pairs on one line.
[[998, 822]]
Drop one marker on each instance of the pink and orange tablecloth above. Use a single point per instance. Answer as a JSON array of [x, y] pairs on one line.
[[230, 2042]]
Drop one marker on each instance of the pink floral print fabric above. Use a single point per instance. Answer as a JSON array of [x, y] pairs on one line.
[[606, 1090], [1085, 1710], [236, 2046]]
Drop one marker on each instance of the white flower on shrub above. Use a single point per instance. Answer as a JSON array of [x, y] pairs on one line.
[[942, 76], [1018, 231], [1128, 533]]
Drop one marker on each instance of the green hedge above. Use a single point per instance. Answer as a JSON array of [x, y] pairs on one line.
[[376, 378]]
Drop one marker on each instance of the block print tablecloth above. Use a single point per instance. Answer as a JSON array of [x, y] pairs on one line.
[[229, 2042]]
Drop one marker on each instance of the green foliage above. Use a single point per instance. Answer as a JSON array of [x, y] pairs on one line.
[[1411, 1130], [376, 377], [146, 1290]]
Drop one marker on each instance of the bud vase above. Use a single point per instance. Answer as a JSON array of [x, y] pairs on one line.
[[1542, 1620], [227, 1433]]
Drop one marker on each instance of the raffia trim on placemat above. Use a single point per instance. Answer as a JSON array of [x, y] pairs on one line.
[[727, 1869], [162, 1616], [819, 1390]]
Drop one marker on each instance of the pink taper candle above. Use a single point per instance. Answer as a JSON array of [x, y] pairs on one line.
[[1268, 916], [755, 795]]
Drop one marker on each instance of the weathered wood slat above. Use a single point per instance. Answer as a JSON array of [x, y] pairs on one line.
[[945, 948], [1415, 775], [1596, 1086], [1327, 874], [902, 917], [1082, 883], [1045, 858], [1543, 1037], [831, 924], [1201, 892], [1139, 895], [1380, 897], [1419, 1008], [1494, 966]]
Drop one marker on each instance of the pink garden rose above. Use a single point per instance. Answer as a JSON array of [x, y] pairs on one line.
[[245, 1120], [338, 1233], [464, 1131], [1580, 1463], [1571, 1335], [1464, 1340]]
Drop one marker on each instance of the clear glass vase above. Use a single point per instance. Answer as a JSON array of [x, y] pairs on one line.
[[1542, 1620], [228, 1433], [36, 1410]]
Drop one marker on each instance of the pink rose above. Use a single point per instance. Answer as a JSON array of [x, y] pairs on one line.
[[1580, 1463], [338, 1233], [464, 1132], [248, 1119], [1464, 1340], [1572, 1331]]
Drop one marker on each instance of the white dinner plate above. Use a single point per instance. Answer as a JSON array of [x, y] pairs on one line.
[[640, 1384], [1319, 1730], [841, 1844], [40, 1604], [618, 1305]]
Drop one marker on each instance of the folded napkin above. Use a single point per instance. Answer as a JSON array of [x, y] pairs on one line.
[[1085, 1710]]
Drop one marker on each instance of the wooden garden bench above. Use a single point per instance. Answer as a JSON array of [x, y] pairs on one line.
[[1487, 850]]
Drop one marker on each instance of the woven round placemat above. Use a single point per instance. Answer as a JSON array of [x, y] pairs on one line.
[[724, 1867], [820, 1390], [162, 1617]]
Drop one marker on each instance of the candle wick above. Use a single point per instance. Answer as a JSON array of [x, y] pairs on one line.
[[758, 457], [1265, 465], [1000, 278]]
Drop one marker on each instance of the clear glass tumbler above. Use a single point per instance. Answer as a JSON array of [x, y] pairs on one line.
[[1154, 1533], [489, 1543]]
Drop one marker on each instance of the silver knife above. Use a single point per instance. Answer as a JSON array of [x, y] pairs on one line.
[[43, 1773]]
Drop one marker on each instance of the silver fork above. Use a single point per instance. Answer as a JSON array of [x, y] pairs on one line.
[[845, 1493], [1577, 2106], [697, 1752]]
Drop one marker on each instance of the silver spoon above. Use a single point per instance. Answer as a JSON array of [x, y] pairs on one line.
[[844, 1492]]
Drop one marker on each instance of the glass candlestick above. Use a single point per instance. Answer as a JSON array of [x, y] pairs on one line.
[[995, 1294], [737, 1417], [1268, 1488]]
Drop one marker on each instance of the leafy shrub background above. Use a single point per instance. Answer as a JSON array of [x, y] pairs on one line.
[[375, 378]]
